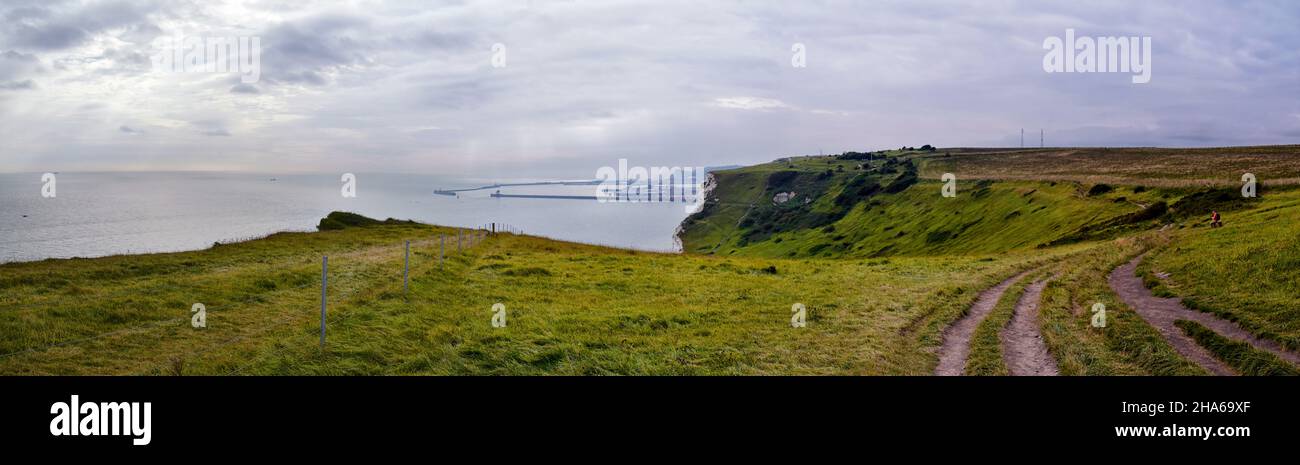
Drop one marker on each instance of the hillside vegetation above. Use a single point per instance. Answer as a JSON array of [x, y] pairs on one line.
[[1248, 271], [865, 241], [891, 203], [1162, 167], [571, 309], [1118, 203]]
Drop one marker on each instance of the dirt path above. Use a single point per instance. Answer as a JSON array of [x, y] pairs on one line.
[[1023, 349], [1162, 312], [956, 340]]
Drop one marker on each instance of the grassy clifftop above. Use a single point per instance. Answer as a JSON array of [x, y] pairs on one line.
[[1115, 203], [891, 203], [879, 207], [571, 309], [866, 242], [1139, 166]]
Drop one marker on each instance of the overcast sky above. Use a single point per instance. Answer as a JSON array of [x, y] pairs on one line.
[[400, 86]]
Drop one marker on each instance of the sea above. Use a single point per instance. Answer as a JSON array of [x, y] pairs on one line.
[[111, 213]]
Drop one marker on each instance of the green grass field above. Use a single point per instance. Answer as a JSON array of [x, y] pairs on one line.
[[1111, 201], [1152, 167], [1247, 271], [1126, 345], [572, 309]]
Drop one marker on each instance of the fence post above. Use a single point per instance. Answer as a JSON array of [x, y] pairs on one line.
[[324, 268], [457, 240], [406, 266], [440, 244]]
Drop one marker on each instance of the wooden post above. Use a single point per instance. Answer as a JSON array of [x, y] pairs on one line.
[[324, 269]]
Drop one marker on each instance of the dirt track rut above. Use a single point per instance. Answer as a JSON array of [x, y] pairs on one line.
[[956, 340], [1023, 349], [1161, 313]]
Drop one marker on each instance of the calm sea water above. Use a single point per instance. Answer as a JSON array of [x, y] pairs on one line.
[[97, 214]]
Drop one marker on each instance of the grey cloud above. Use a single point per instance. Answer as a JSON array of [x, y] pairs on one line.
[[59, 26], [408, 86], [18, 85], [304, 51], [242, 88], [211, 127], [314, 78], [435, 40], [15, 65], [46, 37]]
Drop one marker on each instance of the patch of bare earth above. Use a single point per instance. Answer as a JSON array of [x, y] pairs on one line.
[[956, 339], [1023, 349], [1163, 312]]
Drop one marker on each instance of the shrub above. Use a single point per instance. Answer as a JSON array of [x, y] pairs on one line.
[[340, 220], [1099, 189]]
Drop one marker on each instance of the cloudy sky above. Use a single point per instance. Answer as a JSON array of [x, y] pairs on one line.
[[402, 86]]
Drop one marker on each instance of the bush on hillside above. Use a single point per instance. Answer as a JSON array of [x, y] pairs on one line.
[[781, 179], [1099, 189], [903, 181], [340, 220]]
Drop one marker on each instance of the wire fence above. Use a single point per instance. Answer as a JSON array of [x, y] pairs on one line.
[[344, 277]]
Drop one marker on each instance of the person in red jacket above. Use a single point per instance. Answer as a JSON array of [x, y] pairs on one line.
[[1215, 221]]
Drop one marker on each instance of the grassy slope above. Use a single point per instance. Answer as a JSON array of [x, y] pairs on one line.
[[1126, 345], [989, 219], [1252, 279], [888, 277], [1240, 356], [737, 193], [573, 309], [1163, 167], [986, 217], [1247, 271]]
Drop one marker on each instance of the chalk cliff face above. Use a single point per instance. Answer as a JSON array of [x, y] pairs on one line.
[[783, 197], [710, 183]]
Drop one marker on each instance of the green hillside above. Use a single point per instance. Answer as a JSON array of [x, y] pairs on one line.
[[851, 208], [883, 263], [1248, 271], [1035, 201], [572, 309]]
